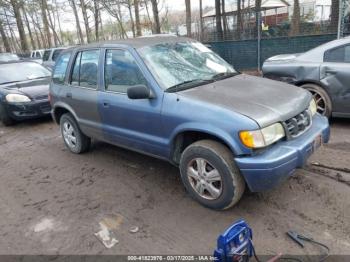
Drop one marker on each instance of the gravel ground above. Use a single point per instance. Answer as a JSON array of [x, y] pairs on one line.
[[52, 201]]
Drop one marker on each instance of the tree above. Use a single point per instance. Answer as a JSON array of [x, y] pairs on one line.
[[77, 22], [239, 20], [86, 20], [334, 15], [295, 30], [188, 18], [46, 23], [16, 10], [224, 18], [96, 18], [201, 19], [218, 20], [137, 18], [28, 27], [156, 16], [4, 38]]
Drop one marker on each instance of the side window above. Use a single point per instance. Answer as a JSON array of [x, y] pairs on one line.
[[56, 54], [339, 54], [121, 71], [61, 68], [37, 54], [85, 69], [46, 55]]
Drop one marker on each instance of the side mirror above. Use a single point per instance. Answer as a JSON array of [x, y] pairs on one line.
[[139, 92]]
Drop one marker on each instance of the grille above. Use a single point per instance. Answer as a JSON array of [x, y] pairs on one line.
[[298, 124]]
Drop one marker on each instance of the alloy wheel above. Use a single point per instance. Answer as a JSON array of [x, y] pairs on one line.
[[204, 178], [320, 102], [69, 134]]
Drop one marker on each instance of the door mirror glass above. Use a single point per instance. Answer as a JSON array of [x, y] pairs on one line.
[[139, 92]]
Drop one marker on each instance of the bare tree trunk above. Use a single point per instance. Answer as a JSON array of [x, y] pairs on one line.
[[129, 6], [257, 14], [86, 20], [188, 18], [295, 30], [137, 18], [156, 16], [334, 15], [29, 29], [239, 20], [46, 23], [218, 20], [224, 18], [19, 22], [13, 39], [96, 18], [55, 13], [52, 25], [77, 22], [4, 38], [148, 15], [201, 19]]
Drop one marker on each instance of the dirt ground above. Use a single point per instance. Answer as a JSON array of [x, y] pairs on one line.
[[52, 201]]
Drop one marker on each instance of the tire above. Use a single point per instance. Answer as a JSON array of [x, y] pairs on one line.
[[217, 157], [72, 136], [5, 118], [323, 101]]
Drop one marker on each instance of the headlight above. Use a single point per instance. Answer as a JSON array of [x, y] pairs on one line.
[[262, 137], [16, 98], [313, 107]]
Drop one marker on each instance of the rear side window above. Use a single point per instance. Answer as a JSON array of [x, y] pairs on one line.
[[121, 71], [56, 53], [85, 69], [46, 55], [61, 68], [338, 55], [37, 55]]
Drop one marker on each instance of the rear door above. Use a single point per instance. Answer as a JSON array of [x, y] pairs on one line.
[[81, 92], [132, 123], [335, 73]]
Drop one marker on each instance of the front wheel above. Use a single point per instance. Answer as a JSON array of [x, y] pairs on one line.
[[74, 139], [210, 175]]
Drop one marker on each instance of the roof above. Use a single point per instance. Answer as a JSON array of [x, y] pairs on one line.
[[136, 43]]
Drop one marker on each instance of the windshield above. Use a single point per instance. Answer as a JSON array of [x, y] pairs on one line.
[[174, 64], [17, 72], [8, 57]]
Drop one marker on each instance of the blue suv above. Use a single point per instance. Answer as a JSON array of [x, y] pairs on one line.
[[175, 99]]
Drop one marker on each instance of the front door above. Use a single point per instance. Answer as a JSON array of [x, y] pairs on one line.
[[132, 123]]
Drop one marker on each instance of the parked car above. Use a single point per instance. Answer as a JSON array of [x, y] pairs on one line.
[[175, 99], [24, 88], [7, 57], [37, 54], [50, 56], [324, 71]]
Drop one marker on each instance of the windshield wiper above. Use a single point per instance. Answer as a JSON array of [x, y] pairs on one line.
[[221, 76], [188, 84]]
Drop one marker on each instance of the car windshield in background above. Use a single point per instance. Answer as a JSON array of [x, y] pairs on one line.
[[46, 55], [16, 72], [185, 63], [8, 57]]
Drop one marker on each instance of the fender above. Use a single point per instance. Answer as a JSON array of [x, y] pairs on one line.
[[229, 139], [60, 104]]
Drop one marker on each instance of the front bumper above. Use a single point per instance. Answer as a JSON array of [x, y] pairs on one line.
[[33, 109], [277, 163]]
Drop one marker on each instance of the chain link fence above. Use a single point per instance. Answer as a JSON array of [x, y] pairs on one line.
[[248, 32]]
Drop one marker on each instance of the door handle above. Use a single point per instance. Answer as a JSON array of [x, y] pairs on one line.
[[69, 95]]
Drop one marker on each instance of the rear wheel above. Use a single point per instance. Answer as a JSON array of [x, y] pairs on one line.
[[210, 175], [5, 118], [74, 139], [323, 101]]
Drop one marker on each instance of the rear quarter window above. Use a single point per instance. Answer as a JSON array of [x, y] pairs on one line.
[[60, 69], [46, 55]]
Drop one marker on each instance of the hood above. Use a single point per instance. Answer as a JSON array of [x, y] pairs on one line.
[[283, 58], [35, 89], [263, 100]]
